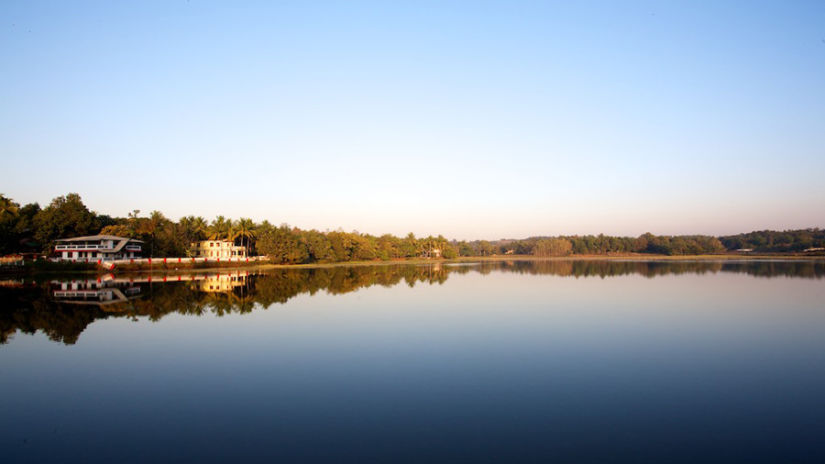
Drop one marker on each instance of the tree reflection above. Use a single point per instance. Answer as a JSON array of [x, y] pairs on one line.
[[62, 309]]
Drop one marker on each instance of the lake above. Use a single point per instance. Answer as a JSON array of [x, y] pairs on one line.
[[568, 361]]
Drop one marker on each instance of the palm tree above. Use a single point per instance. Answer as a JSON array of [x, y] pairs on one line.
[[134, 223], [244, 229], [193, 230], [8, 208], [230, 230], [429, 245], [220, 229], [411, 246], [200, 227], [156, 220]]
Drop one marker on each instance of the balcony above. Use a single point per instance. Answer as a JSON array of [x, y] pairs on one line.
[[81, 247]]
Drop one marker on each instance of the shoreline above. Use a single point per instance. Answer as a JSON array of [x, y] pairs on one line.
[[167, 269], [421, 261]]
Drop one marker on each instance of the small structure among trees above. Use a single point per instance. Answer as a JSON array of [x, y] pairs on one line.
[[222, 249]]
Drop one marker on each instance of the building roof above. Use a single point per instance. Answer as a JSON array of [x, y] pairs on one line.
[[92, 238]]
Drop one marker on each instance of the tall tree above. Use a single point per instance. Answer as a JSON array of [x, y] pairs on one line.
[[66, 216], [152, 227], [8, 209], [9, 212], [410, 246], [553, 247], [192, 230], [220, 229], [318, 246], [244, 229], [133, 223], [200, 227], [283, 245]]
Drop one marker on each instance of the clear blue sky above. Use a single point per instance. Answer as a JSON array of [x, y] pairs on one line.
[[469, 119]]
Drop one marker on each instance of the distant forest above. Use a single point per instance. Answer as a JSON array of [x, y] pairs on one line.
[[30, 228]]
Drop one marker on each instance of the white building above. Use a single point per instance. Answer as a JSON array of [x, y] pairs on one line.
[[221, 249], [97, 247]]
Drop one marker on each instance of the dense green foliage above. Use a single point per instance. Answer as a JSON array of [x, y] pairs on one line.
[[30, 228], [603, 245], [773, 241]]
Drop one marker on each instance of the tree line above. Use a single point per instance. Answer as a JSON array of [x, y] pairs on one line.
[[776, 241], [30, 228]]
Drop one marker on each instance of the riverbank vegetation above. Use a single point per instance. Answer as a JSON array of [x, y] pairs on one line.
[[30, 228]]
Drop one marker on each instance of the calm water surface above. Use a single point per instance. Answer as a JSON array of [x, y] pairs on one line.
[[573, 361]]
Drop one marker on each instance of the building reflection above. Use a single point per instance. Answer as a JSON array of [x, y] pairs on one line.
[[223, 283], [63, 308], [97, 292], [109, 289]]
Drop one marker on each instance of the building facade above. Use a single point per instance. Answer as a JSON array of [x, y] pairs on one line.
[[97, 247], [217, 249]]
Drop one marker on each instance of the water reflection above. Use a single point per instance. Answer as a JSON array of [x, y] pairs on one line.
[[551, 361], [63, 309], [96, 292], [598, 268]]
